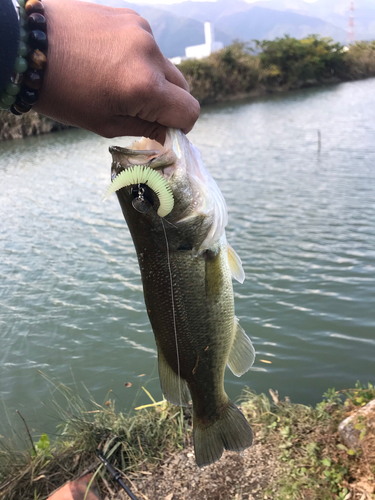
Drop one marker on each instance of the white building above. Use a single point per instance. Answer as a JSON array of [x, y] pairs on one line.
[[204, 50], [201, 51]]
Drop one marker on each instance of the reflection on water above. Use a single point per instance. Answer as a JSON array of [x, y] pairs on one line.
[[302, 221]]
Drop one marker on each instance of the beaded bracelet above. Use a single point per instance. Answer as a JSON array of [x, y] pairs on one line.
[[21, 93]]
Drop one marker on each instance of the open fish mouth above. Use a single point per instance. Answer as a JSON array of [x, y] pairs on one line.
[[141, 168], [146, 152]]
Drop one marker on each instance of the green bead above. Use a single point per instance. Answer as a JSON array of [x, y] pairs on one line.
[[23, 49], [23, 14], [21, 3], [8, 99], [23, 23], [24, 35], [12, 88], [20, 66], [3, 106]]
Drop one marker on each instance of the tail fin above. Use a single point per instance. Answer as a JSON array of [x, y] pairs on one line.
[[230, 431]]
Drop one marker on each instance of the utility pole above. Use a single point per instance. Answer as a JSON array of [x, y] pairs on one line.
[[351, 37]]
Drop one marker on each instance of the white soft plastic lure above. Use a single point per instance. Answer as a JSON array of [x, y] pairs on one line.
[[142, 174]]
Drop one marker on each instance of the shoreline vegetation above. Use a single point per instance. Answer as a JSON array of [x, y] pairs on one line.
[[245, 70], [297, 454]]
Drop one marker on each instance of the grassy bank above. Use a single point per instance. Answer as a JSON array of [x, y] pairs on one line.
[[241, 70], [312, 461]]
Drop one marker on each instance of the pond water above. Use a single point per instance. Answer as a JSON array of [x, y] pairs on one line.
[[301, 218]]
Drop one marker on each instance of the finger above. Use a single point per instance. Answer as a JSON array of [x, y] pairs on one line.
[[174, 107], [119, 126], [174, 75]]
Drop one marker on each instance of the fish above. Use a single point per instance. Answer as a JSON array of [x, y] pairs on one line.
[[177, 215]]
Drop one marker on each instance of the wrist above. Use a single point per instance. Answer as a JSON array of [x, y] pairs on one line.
[[21, 91]]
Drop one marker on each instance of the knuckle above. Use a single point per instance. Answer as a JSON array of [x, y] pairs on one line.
[[146, 44], [145, 25]]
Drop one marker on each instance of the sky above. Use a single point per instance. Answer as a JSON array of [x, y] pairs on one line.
[[150, 2]]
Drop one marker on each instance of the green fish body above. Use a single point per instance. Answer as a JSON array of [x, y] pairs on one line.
[[186, 267]]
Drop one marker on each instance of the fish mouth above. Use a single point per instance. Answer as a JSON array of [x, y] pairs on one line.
[[146, 152]]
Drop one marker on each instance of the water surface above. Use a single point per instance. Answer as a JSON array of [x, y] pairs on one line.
[[302, 221]]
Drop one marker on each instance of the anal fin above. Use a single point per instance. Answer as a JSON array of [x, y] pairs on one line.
[[174, 388], [242, 354]]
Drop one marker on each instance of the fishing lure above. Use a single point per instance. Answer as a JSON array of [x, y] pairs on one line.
[[142, 174]]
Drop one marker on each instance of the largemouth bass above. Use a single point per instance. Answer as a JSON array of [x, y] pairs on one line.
[[177, 216]]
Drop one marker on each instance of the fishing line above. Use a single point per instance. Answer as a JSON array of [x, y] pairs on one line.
[[173, 311]]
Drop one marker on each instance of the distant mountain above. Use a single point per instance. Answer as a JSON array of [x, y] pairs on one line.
[[172, 33], [246, 21], [333, 11], [267, 24], [180, 25], [332, 14], [206, 11]]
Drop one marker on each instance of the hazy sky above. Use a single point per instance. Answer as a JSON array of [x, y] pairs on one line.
[[178, 1]]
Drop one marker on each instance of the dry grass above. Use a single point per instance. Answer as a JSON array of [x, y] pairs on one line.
[[129, 441], [298, 440]]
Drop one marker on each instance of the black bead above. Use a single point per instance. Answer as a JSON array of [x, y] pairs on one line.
[[21, 107], [28, 96], [14, 111], [38, 40], [33, 79], [37, 22]]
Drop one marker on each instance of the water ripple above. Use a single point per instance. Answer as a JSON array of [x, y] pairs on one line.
[[302, 221]]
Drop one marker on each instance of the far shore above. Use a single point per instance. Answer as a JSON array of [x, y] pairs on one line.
[[236, 72]]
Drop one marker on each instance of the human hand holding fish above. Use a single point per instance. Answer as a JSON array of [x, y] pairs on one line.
[[106, 74], [177, 216]]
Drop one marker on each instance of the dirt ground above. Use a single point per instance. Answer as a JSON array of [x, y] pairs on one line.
[[234, 477]]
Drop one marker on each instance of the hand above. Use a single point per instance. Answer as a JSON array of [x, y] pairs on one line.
[[106, 74]]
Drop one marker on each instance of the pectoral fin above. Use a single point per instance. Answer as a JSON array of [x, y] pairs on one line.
[[235, 265], [174, 388], [242, 354]]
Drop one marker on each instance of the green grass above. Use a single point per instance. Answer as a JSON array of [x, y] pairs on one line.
[[306, 441], [316, 465]]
